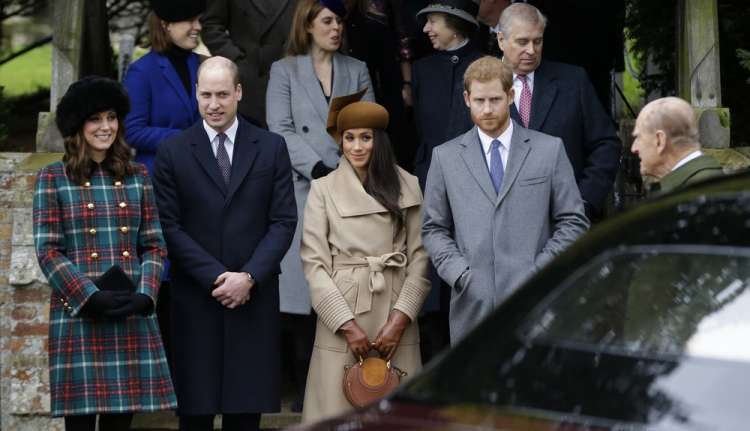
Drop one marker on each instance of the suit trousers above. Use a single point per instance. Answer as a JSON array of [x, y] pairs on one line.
[[229, 422]]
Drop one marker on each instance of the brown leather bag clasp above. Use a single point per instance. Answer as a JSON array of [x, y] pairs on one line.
[[369, 380]]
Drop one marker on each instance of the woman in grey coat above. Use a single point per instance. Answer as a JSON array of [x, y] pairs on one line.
[[300, 89]]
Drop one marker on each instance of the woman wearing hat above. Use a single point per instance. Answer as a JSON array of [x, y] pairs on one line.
[[299, 91], [94, 213], [161, 84], [440, 115], [363, 258]]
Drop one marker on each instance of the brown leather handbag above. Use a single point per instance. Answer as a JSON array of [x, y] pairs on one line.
[[369, 380]]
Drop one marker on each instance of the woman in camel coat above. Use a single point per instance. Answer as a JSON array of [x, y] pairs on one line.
[[363, 258]]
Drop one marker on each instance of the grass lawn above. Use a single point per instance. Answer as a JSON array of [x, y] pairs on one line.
[[27, 73]]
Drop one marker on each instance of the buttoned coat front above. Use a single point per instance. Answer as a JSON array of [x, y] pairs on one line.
[[81, 231], [357, 269], [297, 110]]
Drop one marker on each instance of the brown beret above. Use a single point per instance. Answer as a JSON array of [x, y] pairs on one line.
[[347, 112]]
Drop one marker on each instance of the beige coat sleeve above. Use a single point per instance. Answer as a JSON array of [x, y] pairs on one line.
[[317, 263], [416, 285]]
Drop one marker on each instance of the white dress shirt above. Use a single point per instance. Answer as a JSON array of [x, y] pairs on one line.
[[694, 155], [504, 139], [213, 136], [518, 86]]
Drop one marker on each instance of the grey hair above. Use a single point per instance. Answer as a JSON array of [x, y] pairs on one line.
[[523, 12]]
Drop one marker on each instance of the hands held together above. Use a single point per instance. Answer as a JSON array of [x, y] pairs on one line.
[[386, 341], [232, 288], [118, 305]]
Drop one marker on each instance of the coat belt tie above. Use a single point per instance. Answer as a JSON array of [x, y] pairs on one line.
[[376, 264]]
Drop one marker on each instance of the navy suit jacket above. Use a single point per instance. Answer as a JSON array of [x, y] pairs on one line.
[[225, 360], [564, 104], [160, 106]]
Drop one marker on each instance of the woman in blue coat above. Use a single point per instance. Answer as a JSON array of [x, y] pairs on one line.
[[161, 84]]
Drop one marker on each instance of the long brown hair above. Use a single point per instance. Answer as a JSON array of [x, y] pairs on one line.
[[382, 181], [158, 35], [304, 15], [78, 163]]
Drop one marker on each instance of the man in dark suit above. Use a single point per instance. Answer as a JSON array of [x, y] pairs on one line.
[[488, 16], [252, 33], [226, 202], [559, 100]]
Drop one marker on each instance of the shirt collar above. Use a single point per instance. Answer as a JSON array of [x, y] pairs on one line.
[[529, 78], [231, 132], [694, 155], [504, 138]]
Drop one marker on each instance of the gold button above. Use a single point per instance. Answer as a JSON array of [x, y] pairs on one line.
[[90, 206], [95, 255], [125, 254], [65, 304], [87, 184], [118, 183], [92, 231], [62, 300], [123, 204], [124, 229]]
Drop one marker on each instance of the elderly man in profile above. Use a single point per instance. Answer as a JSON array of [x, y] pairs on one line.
[[558, 99], [666, 141]]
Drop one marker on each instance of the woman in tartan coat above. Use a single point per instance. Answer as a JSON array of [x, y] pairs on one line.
[[92, 211]]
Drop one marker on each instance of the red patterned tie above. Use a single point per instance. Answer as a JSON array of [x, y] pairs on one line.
[[525, 103]]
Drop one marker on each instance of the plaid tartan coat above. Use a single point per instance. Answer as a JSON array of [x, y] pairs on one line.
[[99, 366]]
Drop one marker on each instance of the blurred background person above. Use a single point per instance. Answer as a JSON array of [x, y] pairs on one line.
[[441, 115], [299, 92], [363, 258], [253, 34], [95, 213], [161, 86]]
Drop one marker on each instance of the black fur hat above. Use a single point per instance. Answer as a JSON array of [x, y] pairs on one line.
[[178, 10], [88, 96]]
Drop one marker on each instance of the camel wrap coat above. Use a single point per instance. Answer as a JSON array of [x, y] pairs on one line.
[[357, 269]]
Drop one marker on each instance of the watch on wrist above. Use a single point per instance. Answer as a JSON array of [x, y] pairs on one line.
[[250, 278]]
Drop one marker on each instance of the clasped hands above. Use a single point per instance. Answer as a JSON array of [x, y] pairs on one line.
[[385, 342], [118, 305], [232, 289]]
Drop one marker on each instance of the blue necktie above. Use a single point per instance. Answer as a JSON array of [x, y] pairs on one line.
[[222, 158], [496, 165]]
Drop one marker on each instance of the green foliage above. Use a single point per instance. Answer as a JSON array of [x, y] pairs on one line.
[[27, 73], [4, 116], [650, 26]]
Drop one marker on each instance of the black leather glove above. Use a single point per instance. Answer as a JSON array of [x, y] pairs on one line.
[[320, 170], [137, 303], [105, 300]]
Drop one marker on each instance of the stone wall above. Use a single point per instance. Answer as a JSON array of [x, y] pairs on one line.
[[24, 302]]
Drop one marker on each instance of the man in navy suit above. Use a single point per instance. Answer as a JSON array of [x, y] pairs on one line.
[[559, 100], [226, 202]]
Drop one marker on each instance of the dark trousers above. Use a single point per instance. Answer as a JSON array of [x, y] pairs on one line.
[[298, 336], [229, 422], [107, 422]]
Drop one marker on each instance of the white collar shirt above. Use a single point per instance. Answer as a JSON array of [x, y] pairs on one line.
[[518, 86], [504, 139], [231, 133], [694, 155]]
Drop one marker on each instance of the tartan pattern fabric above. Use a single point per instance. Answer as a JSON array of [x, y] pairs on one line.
[[80, 231], [525, 102]]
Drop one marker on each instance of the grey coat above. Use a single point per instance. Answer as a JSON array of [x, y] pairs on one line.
[[499, 239], [298, 111]]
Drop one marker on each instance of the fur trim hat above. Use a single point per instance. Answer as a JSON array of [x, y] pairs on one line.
[[86, 97], [178, 10], [467, 10], [348, 112]]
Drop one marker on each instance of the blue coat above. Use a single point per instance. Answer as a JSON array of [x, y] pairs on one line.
[[160, 106], [225, 361]]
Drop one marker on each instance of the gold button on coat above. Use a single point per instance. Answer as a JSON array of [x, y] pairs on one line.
[[118, 183], [125, 253], [87, 184], [124, 229], [123, 204], [92, 231], [95, 255], [90, 206]]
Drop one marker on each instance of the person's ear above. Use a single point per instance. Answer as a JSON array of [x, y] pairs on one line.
[[661, 141], [239, 91], [501, 40], [467, 99]]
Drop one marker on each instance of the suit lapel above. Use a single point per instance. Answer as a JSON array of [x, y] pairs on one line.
[[519, 149], [341, 79], [245, 152], [545, 91], [310, 81], [476, 163], [205, 156], [174, 81]]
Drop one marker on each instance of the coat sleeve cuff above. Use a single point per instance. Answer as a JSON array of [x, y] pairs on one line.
[[411, 298], [333, 311]]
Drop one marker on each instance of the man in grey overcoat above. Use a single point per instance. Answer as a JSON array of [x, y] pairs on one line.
[[500, 202]]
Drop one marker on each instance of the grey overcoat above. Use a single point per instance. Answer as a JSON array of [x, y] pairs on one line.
[[499, 239], [297, 110]]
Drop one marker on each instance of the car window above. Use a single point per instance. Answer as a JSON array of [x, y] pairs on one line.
[[652, 301]]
